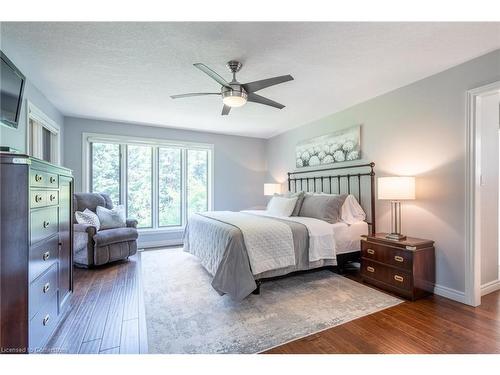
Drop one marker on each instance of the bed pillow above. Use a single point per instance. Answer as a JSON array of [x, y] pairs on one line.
[[281, 206], [326, 207], [88, 217], [352, 212], [114, 218], [300, 198]]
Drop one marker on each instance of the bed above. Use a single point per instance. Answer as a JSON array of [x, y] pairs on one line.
[[243, 249]]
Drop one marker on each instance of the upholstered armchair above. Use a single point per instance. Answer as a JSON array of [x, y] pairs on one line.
[[95, 248]]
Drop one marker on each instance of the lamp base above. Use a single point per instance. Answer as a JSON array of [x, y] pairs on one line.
[[395, 236]]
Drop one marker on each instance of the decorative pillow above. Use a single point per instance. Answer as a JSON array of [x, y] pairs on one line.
[[281, 206], [300, 198], [324, 207], [114, 218], [88, 217]]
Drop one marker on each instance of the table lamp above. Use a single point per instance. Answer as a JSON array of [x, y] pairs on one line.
[[396, 189], [271, 189]]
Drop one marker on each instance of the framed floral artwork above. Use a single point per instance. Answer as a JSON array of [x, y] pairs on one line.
[[342, 145]]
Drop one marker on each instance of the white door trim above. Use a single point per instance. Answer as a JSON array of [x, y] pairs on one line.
[[473, 194]]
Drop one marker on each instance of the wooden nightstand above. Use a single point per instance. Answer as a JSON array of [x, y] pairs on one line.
[[406, 268]]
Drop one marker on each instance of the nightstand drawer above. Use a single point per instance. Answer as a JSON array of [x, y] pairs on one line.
[[386, 274], [387, 254]]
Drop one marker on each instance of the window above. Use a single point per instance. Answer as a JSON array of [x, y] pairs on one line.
[[159, 183], [105, 170], [139, 184], [42, 136], [169, 186], [197, 172]]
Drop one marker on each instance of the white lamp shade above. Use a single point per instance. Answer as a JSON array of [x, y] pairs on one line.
[[271, 189], [396, 188]]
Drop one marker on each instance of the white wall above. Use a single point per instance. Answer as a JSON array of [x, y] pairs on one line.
[[489, 187], [416, 130]]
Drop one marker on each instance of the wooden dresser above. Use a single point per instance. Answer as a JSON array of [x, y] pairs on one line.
[[36, 250], [405, 268]]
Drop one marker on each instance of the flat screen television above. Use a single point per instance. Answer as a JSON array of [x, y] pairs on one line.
[[11, 92]]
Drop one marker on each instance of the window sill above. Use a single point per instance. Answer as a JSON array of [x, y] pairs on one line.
[[161, 230]]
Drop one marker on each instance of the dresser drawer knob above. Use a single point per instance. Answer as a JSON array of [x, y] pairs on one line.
[[398, 278], [46, 320], [370, 269], [52, 197], [397, 258], [46, 255], [370, 251], [52, 180], [46, 224], [38, 198], [46, 287], [38, 178]]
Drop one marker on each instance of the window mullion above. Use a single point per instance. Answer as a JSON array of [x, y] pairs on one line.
[[123, 176], [184, 187], [155, 187]]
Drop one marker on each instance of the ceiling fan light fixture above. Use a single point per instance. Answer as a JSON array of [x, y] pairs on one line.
[[234, 98]]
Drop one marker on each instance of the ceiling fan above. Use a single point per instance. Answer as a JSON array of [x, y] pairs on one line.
[[235, 94]]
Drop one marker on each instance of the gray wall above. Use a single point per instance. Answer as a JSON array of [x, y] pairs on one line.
[[415, 130], [239, 162], [16, 138]]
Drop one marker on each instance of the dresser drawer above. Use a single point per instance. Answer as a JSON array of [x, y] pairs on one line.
[[42, 256], [44, 223], [388, 275], [43, 179], [42, 324], [38, 198], [42, 289], [386, 254], [52, 197]]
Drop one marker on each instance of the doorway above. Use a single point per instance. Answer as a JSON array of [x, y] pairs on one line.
[[482, 193]]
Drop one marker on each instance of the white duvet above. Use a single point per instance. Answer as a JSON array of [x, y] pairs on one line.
[[322, 243]]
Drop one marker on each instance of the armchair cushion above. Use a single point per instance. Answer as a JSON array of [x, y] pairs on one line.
[[115, 235]]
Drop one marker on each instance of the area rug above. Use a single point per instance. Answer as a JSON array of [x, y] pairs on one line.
[[185, 314]]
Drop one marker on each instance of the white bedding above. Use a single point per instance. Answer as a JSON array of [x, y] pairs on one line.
[[347, 237], [326, 240]]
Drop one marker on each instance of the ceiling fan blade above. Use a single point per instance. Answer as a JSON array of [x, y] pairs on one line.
[[215, 76], [263, 83], [193, 94], [261, 100], [225, 110]]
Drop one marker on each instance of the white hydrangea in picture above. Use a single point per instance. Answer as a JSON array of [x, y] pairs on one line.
[[343, 145]]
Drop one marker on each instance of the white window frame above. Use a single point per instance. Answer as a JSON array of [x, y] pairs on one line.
[[34, 145], [89, 138]]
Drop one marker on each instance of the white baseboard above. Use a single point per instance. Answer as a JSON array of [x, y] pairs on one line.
[[159, 243], [449, 293], [490, 287]]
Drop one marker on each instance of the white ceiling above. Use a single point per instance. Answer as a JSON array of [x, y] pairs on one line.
[[127, 71]]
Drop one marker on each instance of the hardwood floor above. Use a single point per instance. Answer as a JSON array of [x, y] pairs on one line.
[[107, 316]]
